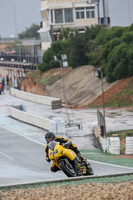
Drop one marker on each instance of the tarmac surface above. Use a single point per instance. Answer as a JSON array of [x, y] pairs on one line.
[[23, 160], [117, 119]]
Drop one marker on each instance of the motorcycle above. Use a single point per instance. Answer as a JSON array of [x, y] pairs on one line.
[[67, 160]]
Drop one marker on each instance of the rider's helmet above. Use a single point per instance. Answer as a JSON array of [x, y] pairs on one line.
[[49, 136]]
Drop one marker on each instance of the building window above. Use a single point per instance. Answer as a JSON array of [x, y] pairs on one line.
[[68, 15], [80, 13], [58, 15], [90, 12], [62, 15]]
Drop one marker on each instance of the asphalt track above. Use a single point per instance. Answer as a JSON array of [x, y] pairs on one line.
[[22, 160]]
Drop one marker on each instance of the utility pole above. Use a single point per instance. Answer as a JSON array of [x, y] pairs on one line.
[[64, 92], [99, 74], [103, 104], [15, 22]]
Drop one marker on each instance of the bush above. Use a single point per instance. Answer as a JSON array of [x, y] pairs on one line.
[[117, 55], [112, 48]]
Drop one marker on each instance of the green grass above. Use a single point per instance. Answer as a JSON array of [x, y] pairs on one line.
[[120, 134], [100, 156], [49, 80], [123, 98], [120, 99], [109, 179]]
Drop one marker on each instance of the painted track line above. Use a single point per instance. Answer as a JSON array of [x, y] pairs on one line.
[[6, 155], [113, 165]]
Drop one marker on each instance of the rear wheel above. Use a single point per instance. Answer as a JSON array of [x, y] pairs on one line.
[[67, 168]]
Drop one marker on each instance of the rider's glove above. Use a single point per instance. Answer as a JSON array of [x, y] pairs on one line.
[[67, 144]]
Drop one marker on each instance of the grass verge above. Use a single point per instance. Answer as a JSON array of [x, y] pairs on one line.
[[100, 156], [109, 179]]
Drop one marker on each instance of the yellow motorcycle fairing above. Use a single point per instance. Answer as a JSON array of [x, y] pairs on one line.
[[58, 152]]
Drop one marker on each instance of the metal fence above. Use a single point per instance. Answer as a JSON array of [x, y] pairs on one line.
[[21, 58]]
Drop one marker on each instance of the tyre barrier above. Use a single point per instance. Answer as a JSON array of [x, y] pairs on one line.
[[129, 145], [113, 145], [51, 101], [57, 127], [60, 126], [104, 144]]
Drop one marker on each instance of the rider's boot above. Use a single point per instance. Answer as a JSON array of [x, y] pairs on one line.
[[82, 158]]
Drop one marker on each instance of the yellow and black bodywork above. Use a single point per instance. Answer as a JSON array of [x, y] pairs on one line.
[[57, 153], [81, 169]]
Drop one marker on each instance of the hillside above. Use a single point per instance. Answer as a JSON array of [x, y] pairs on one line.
[[81, 87], [119, 95]]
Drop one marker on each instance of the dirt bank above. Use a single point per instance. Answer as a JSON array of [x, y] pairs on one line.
[[81, 87], [118, 93]]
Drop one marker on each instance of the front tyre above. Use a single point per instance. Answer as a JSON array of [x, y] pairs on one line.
[[89, 170], [67, 168]]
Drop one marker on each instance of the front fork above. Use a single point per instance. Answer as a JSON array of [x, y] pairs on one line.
[[76, 161]]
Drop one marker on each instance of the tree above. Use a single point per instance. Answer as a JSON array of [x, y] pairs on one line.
[[112, 48], [65, 33], [117, 54], [77, 54], [47, 58], [117, 63], [30, 32]]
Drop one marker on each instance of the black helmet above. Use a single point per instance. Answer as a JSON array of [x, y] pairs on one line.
[[49, 136]]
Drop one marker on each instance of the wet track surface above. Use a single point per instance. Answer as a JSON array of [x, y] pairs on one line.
[[22, 157], [23, 161]]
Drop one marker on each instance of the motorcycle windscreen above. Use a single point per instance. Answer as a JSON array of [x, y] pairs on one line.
[[52, 145]]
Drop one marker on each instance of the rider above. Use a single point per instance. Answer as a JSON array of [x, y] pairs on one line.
[[50, 136]]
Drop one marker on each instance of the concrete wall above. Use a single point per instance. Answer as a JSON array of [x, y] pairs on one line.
[[57, 126], [31, 119], [51, 101]]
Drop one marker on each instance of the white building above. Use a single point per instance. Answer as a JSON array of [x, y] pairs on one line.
[[72, 14]]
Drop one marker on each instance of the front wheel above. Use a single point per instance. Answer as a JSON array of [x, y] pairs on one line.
[[67, 168], [89, 170]]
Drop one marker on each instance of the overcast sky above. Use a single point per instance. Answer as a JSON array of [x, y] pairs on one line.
[[27, 12]]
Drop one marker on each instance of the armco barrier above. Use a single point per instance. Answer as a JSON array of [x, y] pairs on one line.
[[53, 102], [35, 120], [129, 145]]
